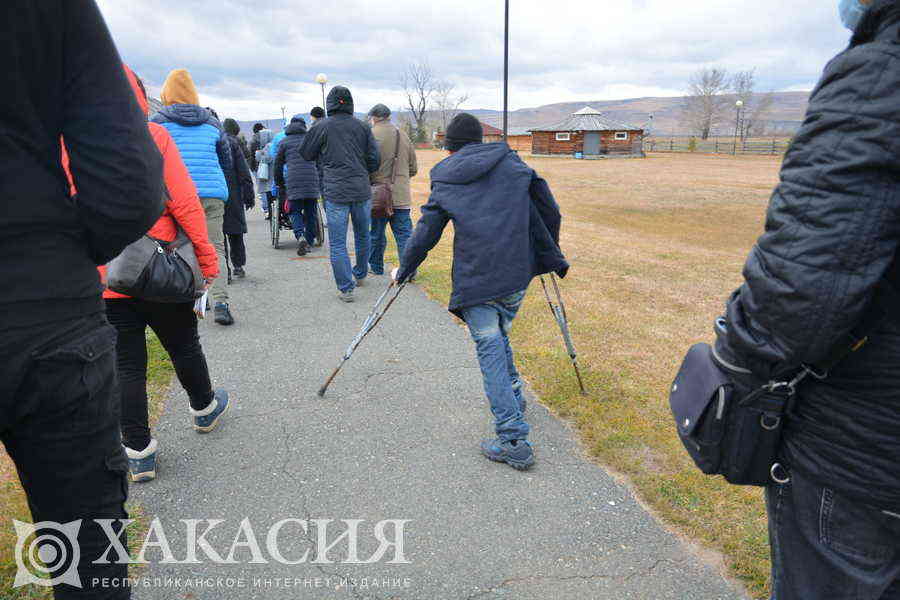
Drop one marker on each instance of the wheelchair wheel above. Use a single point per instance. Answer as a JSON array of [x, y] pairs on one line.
[[275, 214], [320, 229]]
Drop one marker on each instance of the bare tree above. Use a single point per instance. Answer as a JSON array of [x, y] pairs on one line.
[[756, 106], [705, 106], [757, 119], [418, 82], [446, 102]]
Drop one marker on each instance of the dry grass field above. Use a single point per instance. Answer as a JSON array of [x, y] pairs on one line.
[[656, 246]]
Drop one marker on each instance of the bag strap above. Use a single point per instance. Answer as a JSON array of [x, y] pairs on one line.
[[394, 161]]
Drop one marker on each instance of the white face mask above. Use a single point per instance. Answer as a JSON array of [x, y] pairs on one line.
[[851, 12]]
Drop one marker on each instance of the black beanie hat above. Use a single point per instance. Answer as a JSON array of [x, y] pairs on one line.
[[258, 127], [463, 129], [317, 112]]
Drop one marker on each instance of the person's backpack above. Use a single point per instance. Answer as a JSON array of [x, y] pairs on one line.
[[264, 160]]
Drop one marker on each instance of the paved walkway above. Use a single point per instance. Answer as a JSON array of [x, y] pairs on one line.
[[395, 438]]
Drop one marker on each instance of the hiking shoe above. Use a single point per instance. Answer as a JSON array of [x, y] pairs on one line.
[[302, 247], [519, 454], [239, 272], [223, 314], [346, 296], [207, 419], [142, 465], [360, 281]]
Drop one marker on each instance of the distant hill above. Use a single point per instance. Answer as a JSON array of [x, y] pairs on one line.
[[786, 115]]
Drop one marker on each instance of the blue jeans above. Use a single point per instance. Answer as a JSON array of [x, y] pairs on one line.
[[401, 226], [338, 214], [304, 219], [826, 546], [489, 325]]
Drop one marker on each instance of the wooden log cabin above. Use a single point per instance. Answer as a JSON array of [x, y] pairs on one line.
[[588, 133]]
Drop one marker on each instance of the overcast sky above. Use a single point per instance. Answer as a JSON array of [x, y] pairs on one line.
[[250, 58]]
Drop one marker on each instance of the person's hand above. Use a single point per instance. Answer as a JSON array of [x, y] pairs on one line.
[[394, 273], [209, 282]]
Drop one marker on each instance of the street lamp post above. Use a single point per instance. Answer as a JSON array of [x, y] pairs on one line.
[[506, 72], [321, 79], [737, 122]]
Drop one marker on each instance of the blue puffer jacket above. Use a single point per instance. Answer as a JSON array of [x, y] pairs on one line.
[[301, 177], [202, 144], [273, 152]]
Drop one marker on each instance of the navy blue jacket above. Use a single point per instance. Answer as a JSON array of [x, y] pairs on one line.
[[832, 233], [347, 149], [202, 144], [505, 219], [302, 180]]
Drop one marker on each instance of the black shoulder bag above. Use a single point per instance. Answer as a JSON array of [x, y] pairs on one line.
[[729, 423]]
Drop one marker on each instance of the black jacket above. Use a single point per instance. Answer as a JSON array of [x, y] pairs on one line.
[[505, 219], [240, 190], [832, 233], [347, 149], [64, 78], [302, 179]]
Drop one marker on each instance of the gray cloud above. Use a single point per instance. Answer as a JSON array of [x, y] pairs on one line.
[[250, 59]]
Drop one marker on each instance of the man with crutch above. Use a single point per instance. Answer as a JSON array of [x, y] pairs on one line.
[[506, 225]]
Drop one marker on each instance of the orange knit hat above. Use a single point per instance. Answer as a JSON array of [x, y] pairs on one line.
[[179, 88]]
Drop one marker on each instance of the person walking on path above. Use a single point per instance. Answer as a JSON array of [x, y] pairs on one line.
[[349, 155], [59, 417], [205, 150], [318, 115], [828, 256], [264, 169], [300, 186], [506, 225], [396, 173], [240, 198], [175, 324]]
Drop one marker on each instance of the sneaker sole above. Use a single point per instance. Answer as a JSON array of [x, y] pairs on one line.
[[215, 423], [515, 464], [141, 477]]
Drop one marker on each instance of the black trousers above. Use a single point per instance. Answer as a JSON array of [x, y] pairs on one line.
[[59, 421], [176, 327], [238, 249]]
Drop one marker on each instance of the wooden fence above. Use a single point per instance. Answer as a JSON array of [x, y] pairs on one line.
[[756, 146]]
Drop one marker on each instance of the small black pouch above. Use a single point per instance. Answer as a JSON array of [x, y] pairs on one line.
[[729, 426]]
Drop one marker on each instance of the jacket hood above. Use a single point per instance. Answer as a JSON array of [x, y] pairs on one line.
[[339, 101], [189, 115], [471, 163], [179, 88], [231, 127], [880, 16], [297, 125], [265, 136], [139, 92]]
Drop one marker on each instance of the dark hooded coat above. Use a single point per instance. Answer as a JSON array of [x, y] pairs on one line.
[[240, 183], [505, 219], [347, 150], [302, 178], [832, 233]]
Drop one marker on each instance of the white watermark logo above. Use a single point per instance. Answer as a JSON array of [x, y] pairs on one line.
[[50, 549], [44, 549]]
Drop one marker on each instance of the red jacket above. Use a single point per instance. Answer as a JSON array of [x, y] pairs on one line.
[[183, 204]]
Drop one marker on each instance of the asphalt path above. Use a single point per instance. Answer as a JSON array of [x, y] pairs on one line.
[[395, 439]]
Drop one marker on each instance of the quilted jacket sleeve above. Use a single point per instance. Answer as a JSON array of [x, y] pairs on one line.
[[183, 203], [833, 223]]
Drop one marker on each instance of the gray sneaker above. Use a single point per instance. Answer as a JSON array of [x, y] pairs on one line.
[[346, 296]]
